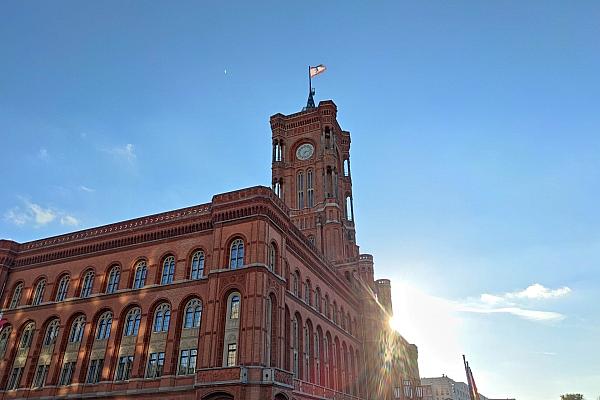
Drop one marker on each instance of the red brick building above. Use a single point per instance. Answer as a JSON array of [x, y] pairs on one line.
[[260, 294]]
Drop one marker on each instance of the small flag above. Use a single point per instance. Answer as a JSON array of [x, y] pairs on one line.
[[314, 71]]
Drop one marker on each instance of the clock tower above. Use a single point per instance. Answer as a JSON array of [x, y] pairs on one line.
[[311, 174]]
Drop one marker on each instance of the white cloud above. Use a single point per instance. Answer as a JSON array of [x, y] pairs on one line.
[[86, 189], [42, 216], [126, 152], [537, 291], [16, 216], [37, 215], [69, 220], [533, 315], [491, 299], [512, 303]]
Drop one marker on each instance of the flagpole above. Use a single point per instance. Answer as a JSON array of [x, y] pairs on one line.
[[471, 396], [309, 82]]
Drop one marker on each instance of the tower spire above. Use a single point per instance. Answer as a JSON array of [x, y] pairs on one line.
[[310, 104]]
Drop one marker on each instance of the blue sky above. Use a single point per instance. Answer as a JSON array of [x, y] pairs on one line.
[[475, 141]]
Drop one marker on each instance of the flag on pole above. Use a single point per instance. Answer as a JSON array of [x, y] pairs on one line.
[[474, 388], [473, 393], [314, 71]]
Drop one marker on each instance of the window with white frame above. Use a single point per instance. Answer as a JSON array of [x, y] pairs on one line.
[[162, 317], [63, 288], [236, 254], [113, 279], [88, 284], [38, 294], [141, 272], [197, 267], [168, 271]]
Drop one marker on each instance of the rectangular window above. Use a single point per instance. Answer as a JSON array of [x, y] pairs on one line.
[[231, 354], [124, 368], [187, 361], [300, 188], [66, 375], [40, 376], [95, 371], [235, 308], [309, 189], [156, 362], [15, 378], [397, 393]]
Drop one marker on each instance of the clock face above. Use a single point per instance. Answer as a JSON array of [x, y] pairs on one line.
[[305, 151]]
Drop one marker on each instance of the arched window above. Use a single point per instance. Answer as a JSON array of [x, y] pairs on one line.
[[311, 239], [317, 357], [236, 254], [113, 279], [269, 329], [168, 271], [16, 297], [141, 271], [300, 189], [310, 189], [27, 336], [349, 323], [318, 299], [162, 317], [104, 325], [63, 288], [38, 294], [77, 327], [306, 352], [4, 335], [295, 347], [132, 322], [327, 306], [197, 270], [231, 332], [51, 332], [193, 314], [278, 187], [272, 257], [335, 313], [307, 292], [326, 361], [88, 284], [295, 283], [349, 208], [234, 307], [277, 150]]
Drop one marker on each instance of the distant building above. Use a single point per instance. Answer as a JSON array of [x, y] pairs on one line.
[[427, 392], [445, 388]]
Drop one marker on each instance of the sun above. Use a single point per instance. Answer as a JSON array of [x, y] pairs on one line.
[[395, 323]]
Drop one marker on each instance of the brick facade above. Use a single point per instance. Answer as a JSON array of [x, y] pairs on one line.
[[271, 300]]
